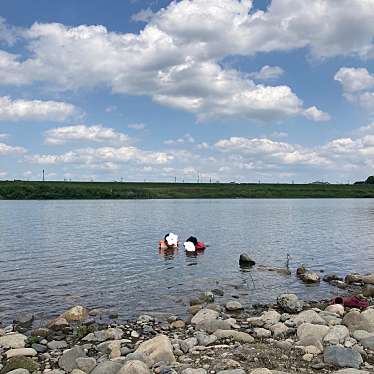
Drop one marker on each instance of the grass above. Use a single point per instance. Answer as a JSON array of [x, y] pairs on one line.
[[20, 190]]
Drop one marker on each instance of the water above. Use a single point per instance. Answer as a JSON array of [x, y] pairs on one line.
[[54, 254]]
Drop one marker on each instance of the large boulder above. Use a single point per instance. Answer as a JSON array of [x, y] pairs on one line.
[[308, 316], [342, 357], [310, 334], [355, 320], [76, 314], [68, 359], [158, 349], [13, 340], [270, 317], [368, 342], [204, 315], [134, 367], [336, 335], [290, 303], [310, 277]]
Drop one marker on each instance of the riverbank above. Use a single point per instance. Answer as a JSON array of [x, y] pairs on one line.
[[20, 190], [288, 336]]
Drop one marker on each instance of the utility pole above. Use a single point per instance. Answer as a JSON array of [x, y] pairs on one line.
[[198, 177], [43, 176], [210, 180], [175, 179]]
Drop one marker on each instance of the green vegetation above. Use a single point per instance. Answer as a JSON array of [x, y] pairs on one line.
[[19, 190]]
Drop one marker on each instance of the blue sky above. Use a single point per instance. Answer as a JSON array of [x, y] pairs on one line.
[[276, 91]]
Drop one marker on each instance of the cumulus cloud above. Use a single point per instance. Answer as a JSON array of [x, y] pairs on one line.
[[314, 114], [8, 150], [187, 138], [97, 133], [267, 73], [3, 136], [176, 58], [358, 86], [144, 15], [35, 110]]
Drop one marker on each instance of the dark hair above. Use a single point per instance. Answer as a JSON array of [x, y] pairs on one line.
[[192, 239]]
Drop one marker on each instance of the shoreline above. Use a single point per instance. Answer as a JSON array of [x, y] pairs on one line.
[[287, 336]]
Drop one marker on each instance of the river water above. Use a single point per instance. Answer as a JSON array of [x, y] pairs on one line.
[[54, 254]]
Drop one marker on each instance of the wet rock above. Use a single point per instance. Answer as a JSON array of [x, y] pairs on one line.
[[13, 340], [246, 261], [354, 320], [310, 277], [67, 361], [290, 303], [134, 367], [75, 314], [86, 364], [234, 335], [233, 306], [331, 277], [24, 319], [336, 335], [107, 367], [29, 352], [308, 316], [204, 315], [20, 362], [158, 349], [342, 357], [58, 324]]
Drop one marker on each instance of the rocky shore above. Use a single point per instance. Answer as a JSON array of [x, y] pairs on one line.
[[289, 336]]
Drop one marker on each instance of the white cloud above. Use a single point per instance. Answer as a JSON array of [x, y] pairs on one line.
[[279, 134], [97, 133], [8, 150], [268, 73], [144, 15], [8, 34], [317, 115], [3, 136], [137, 126], [111, 108], [34, 110], [358, 86], [187, 138]]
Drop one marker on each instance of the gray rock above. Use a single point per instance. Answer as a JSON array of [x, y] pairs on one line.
[[40, 348], [193, 371], [279, 329], [21, 352], [342, 357], [330, 318], [310, 277], [246, 261], [232, 371], [233, 306], [234, 335], [368, 342], [261, 333], [308, 316], [204, 315], [351, 371], [310, 334], [107, 367], [139, 356], [290, 303], [204, 339], [24, 319], [19, 371], [210, 326], [13, 340], [187, 344], [57, 344], [336, 335], [86, 364], [361, 334], [355, 320], [68, 359], [134, 367], [270, 317]]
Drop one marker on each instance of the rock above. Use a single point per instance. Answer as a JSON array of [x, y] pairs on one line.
[[368, 290], [218, 292], [24, 319], [232, 371], [40, 348], [261, 371], [310, 334], [178, 324], [270, 317], [195, 308], [77, 371], [308, 316], [354, 320], [204, 339], [290, 303], [212, 325], [330, 318], [336, 335], [19, 371], [368, 342], [301, 271], [68, 359], [187, 344], [75, 314], [233, 306], [310, 277], [361, 334], [261, 333], [13, 340], [158, 349], [86, 364], [58, 324], [20, 362], [352, 278], [308, 357], [246, 261], [139, 356], [342, 357], [30, 352], [279, 329], [57, 344], [204, 315], [134, 367], [107, 367], [193, 371], [41, 332], [331, 277], [335, 309], [351, 371], [369, 315], [135, 334], [311, 349], [234, 335], [255, 322]]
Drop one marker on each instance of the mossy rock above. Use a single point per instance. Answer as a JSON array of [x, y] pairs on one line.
[[20, 362]]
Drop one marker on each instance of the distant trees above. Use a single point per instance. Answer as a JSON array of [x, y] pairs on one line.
[[370, 180]]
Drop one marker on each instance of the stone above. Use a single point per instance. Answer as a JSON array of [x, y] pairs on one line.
[[311, 349], [261, 333], [361, 334], [368, 342], [308, 316], [308, 357], [41, 332], [139, 356], [193, 371], [232, 371], [330, 318], [351, 371], [67, 361], [270, 317], [342, 357], [255, 322], [30, 352], [13, 340], [58, 324], [335, 309], [234, 335], [310, 277], [261, 371], [336, 335], [279, 329], [233, 306], [368, 290], [77, 371], [179, 324], [134, 367], [40, 348], [290, 303], [24, 319], [194, 309], [20, 362], [76, 314], [204, 339], [158, 349], [203, 316], [246, 261], [19, 371], [187, 344], [331, 277], [212, 325], [107, 367], [308, 332], [369, 315], [354, 320], [57, 344], [86, 364]]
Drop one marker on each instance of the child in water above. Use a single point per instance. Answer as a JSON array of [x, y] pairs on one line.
[[170, 241], [193, 245]]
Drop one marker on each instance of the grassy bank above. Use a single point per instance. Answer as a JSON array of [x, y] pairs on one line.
[[80, 190]]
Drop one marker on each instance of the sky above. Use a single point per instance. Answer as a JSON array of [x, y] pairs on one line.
[[275, 91]]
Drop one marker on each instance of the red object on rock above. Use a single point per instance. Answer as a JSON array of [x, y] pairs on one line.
[[351, 302]]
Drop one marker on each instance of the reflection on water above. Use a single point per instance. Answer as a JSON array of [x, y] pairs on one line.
[[57, 253]]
